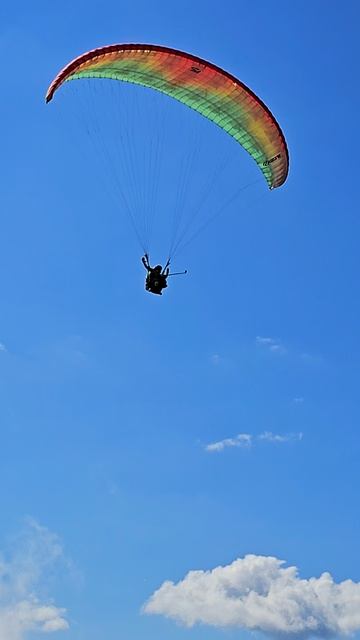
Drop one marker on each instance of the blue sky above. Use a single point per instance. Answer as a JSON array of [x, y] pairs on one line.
[[109, 396]]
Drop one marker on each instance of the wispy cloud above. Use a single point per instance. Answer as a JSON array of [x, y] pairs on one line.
[[276, 346], [2, 347], [22, 575], [246, 440], [241, 440], [271, 344], [298, 400], [274, 437], [258, 593]]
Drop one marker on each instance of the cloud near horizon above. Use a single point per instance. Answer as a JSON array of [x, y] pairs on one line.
[[241, 440], [246, 440], [258, 593], [21, 577], [268, 436]]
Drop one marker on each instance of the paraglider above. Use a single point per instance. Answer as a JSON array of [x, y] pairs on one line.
[[156, 279], [203, 87]]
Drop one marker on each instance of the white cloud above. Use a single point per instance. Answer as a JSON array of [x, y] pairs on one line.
[[277, 347], [298, 400], [271, 344], [241, 440], [22, 575], [247, 439], [2, 347], [258, 593], [273, 437]]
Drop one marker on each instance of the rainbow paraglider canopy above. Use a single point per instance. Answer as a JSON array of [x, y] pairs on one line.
[[199, 84]]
